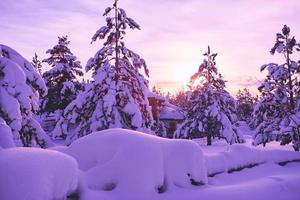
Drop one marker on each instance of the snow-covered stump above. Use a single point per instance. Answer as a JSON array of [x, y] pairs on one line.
[[126, 162], [36, 174]]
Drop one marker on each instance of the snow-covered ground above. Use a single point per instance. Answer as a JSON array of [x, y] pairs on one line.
[[123, 164]]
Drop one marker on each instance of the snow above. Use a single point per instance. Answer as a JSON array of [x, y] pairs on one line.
[[31, 75], [127, 161], [280, 48], [35, 174], [133, 110], [169, 112], [240, 156], [125, 164], [15, 80], [6, 139], [268, 181]]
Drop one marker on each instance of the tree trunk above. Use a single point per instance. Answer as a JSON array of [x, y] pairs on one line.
[[208, 139]]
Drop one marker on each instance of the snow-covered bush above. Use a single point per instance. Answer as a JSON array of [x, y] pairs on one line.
[[276, 113], [36, 174], [61, 79], [126, 160], [20, 87], [212, 108], [117, 95]]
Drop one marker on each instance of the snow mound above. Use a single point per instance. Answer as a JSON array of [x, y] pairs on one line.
[[129, 161], [240, 156], [35, 174]]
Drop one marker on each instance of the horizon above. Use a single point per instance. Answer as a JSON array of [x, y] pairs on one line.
[[242, 33]]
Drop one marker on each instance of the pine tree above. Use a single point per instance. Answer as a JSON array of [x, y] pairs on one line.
[[280, 92], [61, 79], [37, 64], [117, 95], [212, 110], [180, 99], [20, 87], [245, 105], [267, 115], [158, 91]]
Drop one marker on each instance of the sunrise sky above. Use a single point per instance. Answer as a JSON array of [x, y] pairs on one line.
[[174, 33]]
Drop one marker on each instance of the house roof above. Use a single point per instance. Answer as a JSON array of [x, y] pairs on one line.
[[155, 96], [171, 112]]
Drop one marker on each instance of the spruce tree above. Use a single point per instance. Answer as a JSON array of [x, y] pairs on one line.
[[117, 93], [276, 113], [245, 105], [61, 79], [157, 107], [37, 64], [266, 118], [20, 88], [180, 99], [212, 108]]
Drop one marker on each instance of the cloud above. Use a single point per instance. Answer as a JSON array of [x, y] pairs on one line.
[[246, 82]]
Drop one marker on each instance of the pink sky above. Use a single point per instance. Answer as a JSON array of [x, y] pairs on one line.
[[173, 37]]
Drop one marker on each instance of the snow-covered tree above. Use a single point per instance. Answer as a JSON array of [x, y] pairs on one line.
[[117, 95], [37, 64], [276, 113], [61, 79], [266, 118], [157, 101], [245, 104], [180, 99], [212, 108], [20, 87], [291, 128]]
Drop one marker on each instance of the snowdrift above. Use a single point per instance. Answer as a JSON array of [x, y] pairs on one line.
[[36, 174], [123, 160], [239, 156]]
